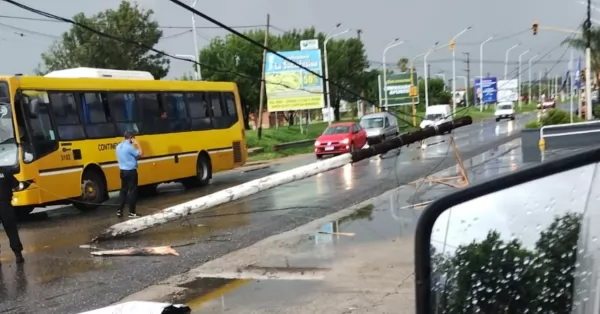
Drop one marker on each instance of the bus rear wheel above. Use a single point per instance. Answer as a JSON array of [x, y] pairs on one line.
[[93, 191], [203, 173]]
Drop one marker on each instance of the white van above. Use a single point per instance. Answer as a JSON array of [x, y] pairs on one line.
[[436, 115], [505, 110]]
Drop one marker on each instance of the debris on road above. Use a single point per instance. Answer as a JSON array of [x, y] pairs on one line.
[[255, 186], [143, 307], [348, 234], [146, 251]]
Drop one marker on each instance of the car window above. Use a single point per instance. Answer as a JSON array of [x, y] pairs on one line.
[[337, 129], [504, 107], [371, 123]]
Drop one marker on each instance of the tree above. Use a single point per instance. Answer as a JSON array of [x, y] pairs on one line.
[[79, 47], [403, 64], [497, 276], [581, 43], [233, 59], [437, 94]]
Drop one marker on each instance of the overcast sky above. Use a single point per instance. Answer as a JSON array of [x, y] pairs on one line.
[[418, 23]]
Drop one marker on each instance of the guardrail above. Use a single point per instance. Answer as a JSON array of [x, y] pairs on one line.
[[557, 137], [296, 144], [576, 129]]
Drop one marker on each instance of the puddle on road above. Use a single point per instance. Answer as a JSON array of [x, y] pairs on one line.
[[213, 295]]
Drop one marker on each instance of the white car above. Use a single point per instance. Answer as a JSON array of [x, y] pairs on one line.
[[505, 110]]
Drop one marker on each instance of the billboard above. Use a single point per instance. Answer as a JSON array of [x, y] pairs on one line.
[[508, 90], [488, 93], [290, 87], [398, 88]]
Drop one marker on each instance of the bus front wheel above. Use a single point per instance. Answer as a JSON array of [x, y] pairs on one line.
[[203, 173], [93, 191]]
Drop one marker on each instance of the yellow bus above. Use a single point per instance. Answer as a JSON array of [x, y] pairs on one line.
[[59, 135]]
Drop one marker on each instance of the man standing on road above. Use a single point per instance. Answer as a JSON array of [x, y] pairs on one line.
[[7, 213], [128, 152]]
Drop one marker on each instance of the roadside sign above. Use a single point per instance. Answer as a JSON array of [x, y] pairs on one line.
[[291, 88], [399, 91], [309, 44], [487, 92]]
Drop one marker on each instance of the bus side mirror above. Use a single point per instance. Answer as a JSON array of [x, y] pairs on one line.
[[33, 107]]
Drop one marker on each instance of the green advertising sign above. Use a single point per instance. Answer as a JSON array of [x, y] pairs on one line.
[[398, 89]]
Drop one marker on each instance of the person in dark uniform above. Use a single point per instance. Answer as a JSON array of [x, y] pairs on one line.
[[7, 213]]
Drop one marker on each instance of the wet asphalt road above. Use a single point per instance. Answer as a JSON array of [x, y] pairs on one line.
[[61, 277]]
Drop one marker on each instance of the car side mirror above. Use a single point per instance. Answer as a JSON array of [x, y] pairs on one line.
[[492, 245]]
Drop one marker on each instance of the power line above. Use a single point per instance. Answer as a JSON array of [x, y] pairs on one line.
[[472, 60], [164, 27]]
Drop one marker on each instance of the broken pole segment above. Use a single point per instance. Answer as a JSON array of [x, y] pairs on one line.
[[255, 186]]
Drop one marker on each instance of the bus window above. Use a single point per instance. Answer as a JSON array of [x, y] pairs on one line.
[[198, 111], [230, 105], [42, 139], [175, 112], [124, 111], [216, 107], [95, 116], [64, 107], [150, 107]]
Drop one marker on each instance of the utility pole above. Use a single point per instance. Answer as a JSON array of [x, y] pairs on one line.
[[362, 104], [468, 62], [262, 81], [428, 70]]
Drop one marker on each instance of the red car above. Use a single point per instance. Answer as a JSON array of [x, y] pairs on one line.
[[548, 103], [340, 138]]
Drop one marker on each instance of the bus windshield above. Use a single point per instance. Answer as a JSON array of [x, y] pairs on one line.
[[8, 145]]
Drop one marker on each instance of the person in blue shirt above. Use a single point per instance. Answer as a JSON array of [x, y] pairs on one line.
[[128, 152]]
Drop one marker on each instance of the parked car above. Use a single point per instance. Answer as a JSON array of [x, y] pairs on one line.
[[379, 126], [505, 110], [548, 103], [339, 138]]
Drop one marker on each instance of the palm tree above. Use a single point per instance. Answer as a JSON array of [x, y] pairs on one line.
[[580, 43], [403, 64]]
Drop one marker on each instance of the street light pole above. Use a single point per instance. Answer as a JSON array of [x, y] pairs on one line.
[[481, 72], [519, 80], [326, 89], [529, 63], [506, 60], [466, 91], [392, 44], [425, 73], [454, 68], [196, 49]]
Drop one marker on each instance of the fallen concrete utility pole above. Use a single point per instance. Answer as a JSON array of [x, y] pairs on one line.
[[255, 186]]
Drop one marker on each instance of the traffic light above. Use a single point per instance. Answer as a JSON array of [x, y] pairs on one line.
[[534, 27], [452, 45], [582, 75]]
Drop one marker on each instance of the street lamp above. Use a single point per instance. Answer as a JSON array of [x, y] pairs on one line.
[[327, 94], [481, 72], [529, 64], [454, 68], [196, 49], [519, 81], [464, 78], [506, 60], [394, 43], [432, 49], [190, 57]]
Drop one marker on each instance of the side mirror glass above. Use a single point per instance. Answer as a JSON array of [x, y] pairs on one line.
[[522, 243]]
